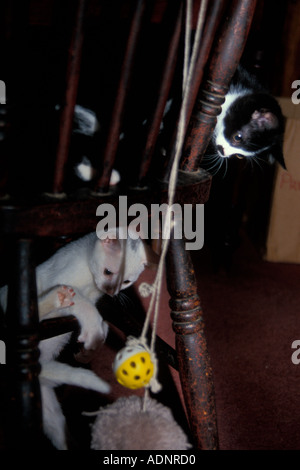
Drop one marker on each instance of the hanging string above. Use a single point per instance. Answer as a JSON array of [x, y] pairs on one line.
[[187, 41], [188, 74]]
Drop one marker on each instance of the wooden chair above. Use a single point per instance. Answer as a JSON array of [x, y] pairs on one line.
[[29, 216]]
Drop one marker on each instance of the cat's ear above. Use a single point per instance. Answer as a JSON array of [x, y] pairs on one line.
[[152, 258], [276, 154], [111, 243], [265, 119], [138, 231]]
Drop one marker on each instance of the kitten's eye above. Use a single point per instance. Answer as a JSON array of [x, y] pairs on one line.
[[126, 282], [107, 272], [237, 138]]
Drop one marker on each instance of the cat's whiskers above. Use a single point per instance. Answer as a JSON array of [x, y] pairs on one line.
[[209, 162], [259, 162], [226, 167], [255, 160], [124, 300], [213, 164]]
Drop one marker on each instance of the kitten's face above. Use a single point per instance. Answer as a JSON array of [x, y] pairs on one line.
[[117, 264], [248, 126]]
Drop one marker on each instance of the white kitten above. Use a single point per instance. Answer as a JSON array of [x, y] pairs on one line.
[[70, 283]]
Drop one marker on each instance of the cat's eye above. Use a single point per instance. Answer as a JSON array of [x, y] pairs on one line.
[[107, 272], [237, 137], [126, 282]]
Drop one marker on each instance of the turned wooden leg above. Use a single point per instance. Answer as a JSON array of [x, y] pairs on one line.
[[23, 427], [193, 358], [224, 60]]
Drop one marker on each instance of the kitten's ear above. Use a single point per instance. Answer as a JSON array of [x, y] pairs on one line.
[[152, 258], [111, 244], [138, 231], [265, 119], [277, 154], [110, 241]]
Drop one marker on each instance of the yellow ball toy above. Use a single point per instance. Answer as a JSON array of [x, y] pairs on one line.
[[133, 367]]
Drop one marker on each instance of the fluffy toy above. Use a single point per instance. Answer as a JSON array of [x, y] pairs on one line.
[[129, 425]]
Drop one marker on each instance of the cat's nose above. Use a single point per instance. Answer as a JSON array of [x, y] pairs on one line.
[[110, 291], [220, 149]]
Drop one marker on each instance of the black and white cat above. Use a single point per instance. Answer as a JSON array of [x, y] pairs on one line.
[[70, 283], [250, 125]]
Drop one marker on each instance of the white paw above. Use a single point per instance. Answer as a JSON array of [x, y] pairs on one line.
[[93, 331], [65, 296]]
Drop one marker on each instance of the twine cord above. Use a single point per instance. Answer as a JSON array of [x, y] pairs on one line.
[[188, 74]]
